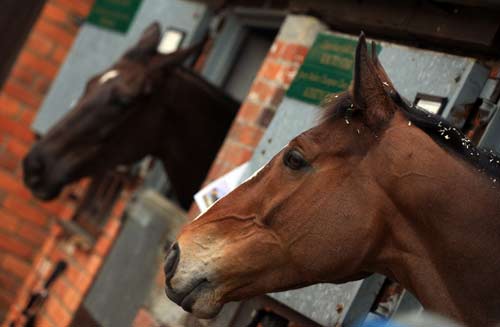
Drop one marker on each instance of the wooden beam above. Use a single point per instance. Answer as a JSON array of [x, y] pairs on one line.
[[451, 28]]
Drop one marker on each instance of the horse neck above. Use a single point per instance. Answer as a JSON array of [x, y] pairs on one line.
[[445, 238], [196, 119]]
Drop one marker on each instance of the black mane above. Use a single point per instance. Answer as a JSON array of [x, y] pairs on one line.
[[440, 130]]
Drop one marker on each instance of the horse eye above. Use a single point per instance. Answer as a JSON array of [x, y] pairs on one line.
[[293, 159], [121, 101]]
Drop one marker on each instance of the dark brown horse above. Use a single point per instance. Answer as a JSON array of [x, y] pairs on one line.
[[146, 103], [377, 186]]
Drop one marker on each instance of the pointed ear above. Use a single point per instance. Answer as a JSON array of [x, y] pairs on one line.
[[147, 44], [368, 91], [175, 58]]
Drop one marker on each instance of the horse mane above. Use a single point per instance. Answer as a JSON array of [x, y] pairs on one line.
[[441, 131], [210, 88]]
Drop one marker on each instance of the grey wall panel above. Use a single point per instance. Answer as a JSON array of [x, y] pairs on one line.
[[127, 275], [459, 79], [95, 49], [429, 72]]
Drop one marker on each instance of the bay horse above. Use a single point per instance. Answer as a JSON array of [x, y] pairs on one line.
[[146, 103], [376, 186]]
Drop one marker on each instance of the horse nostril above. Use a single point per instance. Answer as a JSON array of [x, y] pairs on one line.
[[33, 167], [171, 261], [34, 180], [33, 164], [36, 165]]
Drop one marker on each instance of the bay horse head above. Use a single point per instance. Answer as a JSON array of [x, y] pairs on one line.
[[369, 189], [113, 123]]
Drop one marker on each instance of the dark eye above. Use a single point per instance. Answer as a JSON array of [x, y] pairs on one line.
[[120, 100], [293, 159]]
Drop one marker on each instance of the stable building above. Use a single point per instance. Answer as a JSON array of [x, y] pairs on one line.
[[279, 59]]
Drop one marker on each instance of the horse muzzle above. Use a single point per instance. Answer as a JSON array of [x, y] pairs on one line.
[[36, 178], [188, 285]]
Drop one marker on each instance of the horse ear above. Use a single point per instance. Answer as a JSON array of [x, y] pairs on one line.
[[147, 44], [368, 91], [150, 37]]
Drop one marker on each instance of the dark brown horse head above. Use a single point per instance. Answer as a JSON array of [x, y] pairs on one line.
[[112, 123], [324, 209]]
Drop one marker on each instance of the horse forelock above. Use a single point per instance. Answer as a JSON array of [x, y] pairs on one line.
[[336, 105]]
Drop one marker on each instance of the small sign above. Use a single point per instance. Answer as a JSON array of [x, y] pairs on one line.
[[327, 68], [217, 189], [116, 15]]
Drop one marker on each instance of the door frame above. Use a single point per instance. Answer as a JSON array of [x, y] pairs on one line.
[[16, 20], [237, 24]]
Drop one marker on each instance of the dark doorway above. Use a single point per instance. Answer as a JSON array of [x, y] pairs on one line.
[[252, 52]]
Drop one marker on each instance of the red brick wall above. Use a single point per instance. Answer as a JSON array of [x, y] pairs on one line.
[[24, 222], [68, 292]]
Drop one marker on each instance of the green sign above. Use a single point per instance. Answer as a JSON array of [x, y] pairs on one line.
[[116, 15], [327, 69]]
